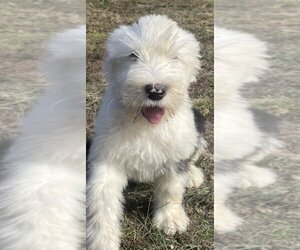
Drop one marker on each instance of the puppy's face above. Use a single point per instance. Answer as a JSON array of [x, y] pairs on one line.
[[150, 65]]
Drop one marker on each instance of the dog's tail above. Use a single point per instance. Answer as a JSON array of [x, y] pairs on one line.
[[66, 57], [239, 56]]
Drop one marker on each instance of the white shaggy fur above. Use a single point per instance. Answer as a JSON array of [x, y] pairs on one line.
[[127, 146], [239, 58], [42, 188]]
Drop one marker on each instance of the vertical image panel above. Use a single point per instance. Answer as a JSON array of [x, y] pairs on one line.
[[150, 125], [256, 129], [42, 125]]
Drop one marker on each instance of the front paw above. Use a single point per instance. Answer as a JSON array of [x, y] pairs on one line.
[[171, 219]]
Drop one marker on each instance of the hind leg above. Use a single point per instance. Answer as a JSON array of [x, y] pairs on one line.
[[253, 176], [195, 177]]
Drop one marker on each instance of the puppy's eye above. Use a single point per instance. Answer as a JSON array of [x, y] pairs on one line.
[[175, 58], [133, 56]]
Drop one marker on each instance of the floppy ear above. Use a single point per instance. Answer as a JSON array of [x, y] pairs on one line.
[[192, 54], [195, 70]]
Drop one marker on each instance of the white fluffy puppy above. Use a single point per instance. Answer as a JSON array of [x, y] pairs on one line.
[[239, 140], [42, 188], [145, 129]]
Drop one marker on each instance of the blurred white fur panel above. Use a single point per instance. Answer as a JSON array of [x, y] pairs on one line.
[[240, 139], [42, 191]]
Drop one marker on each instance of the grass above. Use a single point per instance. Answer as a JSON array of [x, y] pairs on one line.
[[196, 16]]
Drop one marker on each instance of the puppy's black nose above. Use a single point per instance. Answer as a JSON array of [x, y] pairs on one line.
[[155, 92]]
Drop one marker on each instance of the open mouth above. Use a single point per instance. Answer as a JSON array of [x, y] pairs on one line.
[[154, 115]]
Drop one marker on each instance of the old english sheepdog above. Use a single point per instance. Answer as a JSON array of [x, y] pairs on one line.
[[42, 187], [242, 134], [145, 130]]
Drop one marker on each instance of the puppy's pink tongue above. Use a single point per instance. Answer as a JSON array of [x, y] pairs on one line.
[[153, 114]]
